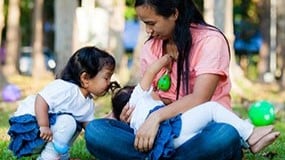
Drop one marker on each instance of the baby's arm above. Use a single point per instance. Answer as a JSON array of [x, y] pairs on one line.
[[41, 111], [152, 70]]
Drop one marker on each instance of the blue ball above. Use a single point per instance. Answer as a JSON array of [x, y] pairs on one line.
[[60, 148]]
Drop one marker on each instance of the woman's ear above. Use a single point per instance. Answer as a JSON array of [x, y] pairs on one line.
[[84, 79], [176, 14]]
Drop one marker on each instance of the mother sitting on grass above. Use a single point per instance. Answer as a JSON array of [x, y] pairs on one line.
[[199, 74]]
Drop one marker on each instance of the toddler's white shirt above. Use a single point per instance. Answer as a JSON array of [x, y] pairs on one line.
[[61, 96]]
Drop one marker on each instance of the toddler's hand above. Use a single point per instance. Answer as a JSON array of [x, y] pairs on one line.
[[46, 133]]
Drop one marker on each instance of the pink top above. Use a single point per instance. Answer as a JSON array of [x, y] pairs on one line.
[[209, 55]]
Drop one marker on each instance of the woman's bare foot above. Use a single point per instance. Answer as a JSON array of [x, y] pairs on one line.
[[264, 141], [258, 133]]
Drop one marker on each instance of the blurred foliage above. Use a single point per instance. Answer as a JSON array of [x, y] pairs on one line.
[[26, 20], [243, 9], [26, 8], [130, 13], [246, 9], [246, 19]]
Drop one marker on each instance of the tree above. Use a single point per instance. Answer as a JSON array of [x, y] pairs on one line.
[[38, 58], [264, 14], [2, 78], [13, 37], [2, 19], [135, 75], [65, 31], [281, 40], [115, 10]]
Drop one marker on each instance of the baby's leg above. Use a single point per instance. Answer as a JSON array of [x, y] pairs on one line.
[[195, 119], [63, 133]]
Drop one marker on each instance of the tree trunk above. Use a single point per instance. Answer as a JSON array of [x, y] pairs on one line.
[[117, 24], [39, 69], [93, 25], [281, 40], [12, 38], [2, 57], [65, 31], [135, 70], [115, 10], [264, 13], [2, 20]]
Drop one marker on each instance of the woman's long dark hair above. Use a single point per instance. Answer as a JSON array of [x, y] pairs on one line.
[[182, 36]]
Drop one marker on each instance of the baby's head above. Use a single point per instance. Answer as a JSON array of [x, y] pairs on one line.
[[120, 97]]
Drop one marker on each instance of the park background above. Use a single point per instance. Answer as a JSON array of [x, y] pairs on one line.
[[38, 36]]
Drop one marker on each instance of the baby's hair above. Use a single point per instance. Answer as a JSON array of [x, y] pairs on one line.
[[88, 59], [120, 97]]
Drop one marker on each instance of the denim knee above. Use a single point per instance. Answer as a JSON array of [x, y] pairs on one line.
[[219, 141], [228, 141]]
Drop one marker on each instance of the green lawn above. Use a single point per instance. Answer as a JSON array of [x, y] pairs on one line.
[[274, 152]]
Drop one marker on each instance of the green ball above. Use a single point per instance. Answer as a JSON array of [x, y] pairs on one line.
[[261, 113], [164, 83]]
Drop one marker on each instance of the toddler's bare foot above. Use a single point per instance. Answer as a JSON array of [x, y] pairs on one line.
[[264, 141], [258, 133]]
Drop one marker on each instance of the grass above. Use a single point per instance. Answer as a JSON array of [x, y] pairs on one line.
[[274, 152]]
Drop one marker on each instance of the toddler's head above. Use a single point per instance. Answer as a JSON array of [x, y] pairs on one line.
[[91, 69]]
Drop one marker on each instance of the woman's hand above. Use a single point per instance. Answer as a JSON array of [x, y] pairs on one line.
[[46, 134], [146, 134], [126, 113]]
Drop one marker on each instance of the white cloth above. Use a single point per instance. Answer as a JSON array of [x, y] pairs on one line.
[[143, 103], [193, 120], [61, 96]]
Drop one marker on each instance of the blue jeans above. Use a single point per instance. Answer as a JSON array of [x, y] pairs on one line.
[[111, 139]]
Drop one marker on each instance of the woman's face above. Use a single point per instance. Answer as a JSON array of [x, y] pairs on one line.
[[157, 26]]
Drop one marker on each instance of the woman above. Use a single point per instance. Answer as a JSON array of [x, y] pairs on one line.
[[199, 73]]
